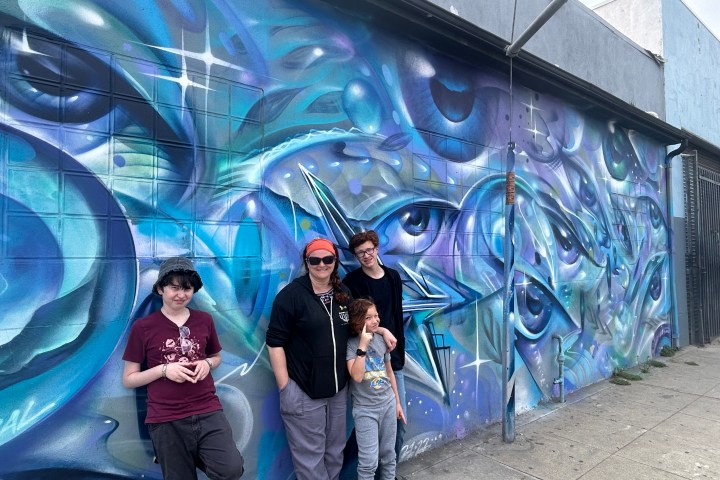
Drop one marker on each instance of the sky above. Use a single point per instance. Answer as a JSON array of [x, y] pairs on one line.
[[708, 11]]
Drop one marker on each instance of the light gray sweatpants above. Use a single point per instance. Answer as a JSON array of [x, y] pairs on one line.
[[316, 432], [375, 430]]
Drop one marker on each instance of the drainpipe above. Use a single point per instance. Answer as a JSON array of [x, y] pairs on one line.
[[670, 216], [561, 360]]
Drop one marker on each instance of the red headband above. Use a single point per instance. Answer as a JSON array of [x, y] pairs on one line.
[[319, 244]]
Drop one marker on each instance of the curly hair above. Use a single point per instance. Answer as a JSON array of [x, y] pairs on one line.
[[362, 237], [357, 310], [338, 293]]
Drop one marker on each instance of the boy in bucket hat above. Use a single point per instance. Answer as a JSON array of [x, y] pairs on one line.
[[180, 347]]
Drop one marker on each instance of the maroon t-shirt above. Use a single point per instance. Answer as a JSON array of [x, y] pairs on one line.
[[155, 339]]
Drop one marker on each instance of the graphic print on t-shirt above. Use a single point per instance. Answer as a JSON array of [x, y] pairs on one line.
[[181, 349], [375, 370]]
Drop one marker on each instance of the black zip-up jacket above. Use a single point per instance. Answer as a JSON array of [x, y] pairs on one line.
[[314, 345], [357, 282]]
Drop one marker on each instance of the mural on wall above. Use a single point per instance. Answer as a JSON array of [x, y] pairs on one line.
[[234, 132]]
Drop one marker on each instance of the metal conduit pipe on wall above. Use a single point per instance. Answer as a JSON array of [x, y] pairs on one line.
[[560, 380], [514, 48], [668, 197], [509, 306]]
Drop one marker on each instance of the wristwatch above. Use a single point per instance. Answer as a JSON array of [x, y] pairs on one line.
[[360, 353]]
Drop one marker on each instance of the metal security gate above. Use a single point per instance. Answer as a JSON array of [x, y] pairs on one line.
[[702, 242]]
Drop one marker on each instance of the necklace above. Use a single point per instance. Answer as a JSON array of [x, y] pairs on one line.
[[329, 311], [322, 301]]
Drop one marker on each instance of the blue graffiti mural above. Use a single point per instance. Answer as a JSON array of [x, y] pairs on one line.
[[233, 132]]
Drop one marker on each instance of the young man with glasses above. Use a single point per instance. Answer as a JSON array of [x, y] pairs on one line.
[[383, 285], [179, 347]]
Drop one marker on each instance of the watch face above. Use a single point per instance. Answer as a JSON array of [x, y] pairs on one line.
[[360, 353]]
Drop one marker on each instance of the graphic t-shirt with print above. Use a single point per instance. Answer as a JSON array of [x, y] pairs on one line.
[[375, 389], [155, 340]]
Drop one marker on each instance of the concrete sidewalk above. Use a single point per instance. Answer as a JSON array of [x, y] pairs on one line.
[[666, 426]]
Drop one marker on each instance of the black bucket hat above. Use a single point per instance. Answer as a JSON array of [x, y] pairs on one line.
[[176, 264]]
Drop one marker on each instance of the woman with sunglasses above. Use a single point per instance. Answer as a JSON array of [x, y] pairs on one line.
[[180, 347], [307, 338]]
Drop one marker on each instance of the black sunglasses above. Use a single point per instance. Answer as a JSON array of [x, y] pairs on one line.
[[316, 260]]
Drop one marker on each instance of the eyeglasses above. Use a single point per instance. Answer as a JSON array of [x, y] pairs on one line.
[[363, 253], [316, 260], [185, 342]]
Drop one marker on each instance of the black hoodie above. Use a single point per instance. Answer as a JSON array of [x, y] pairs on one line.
[[314, 346]]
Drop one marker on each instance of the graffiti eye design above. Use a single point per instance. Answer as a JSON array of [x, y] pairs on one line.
[[412, 228], [53, 82], [654, 213], [620, 156], [572, 237], [583, 187], [651, 287], [536, 308], [442, 97], [656, 218], [621, 229], [586, 192], [416, 220], [57, 82], [568, 250], [655, 287], [452, 96], [540, 313]]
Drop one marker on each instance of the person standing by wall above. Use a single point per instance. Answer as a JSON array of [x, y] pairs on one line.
[[376, 407], [384, 286], [306, 339], [180, 347]]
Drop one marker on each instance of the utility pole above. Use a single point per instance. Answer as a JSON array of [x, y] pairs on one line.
[[509, 304]]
